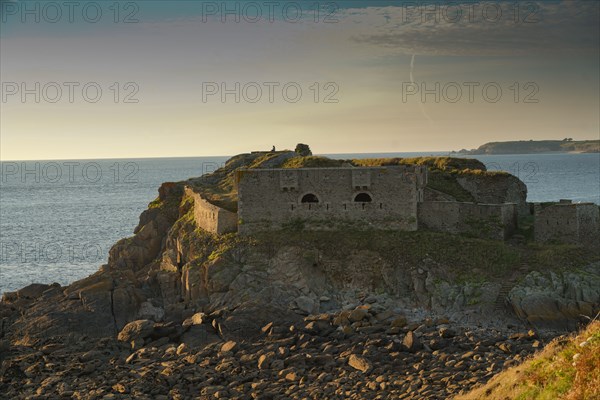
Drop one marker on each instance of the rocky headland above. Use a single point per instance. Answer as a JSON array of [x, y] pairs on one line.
[[180, 313], [567, 145]]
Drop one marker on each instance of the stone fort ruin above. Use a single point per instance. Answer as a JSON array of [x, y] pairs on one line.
[[330, 198], [361, 198], [380, 198]]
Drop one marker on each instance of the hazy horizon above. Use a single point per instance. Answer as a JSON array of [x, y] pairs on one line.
[[316, 153]]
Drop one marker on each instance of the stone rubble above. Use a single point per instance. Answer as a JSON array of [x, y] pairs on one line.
[[359, 353]]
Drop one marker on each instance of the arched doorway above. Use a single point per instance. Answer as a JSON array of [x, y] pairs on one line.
[[363, 198], [309, 198]]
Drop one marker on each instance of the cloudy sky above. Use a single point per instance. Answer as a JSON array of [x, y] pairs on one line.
[[192, 78]]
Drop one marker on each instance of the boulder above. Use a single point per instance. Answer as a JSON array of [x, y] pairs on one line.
[[411, 342], [140, 329], [196, 319], [32, 291], [358, 314], [199, 336], [229, 346], [359, 362], [304, 304], [264, 361]]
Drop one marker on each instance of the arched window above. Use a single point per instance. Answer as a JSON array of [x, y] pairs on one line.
[[309, 198], [363, 198]]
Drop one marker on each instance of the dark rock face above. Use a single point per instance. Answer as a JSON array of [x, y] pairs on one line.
[[558, 301]]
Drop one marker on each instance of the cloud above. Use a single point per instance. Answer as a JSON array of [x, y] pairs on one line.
[[550, 28]]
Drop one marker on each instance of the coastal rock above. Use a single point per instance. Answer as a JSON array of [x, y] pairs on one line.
[[360, 363], [411, 342], [196, 319], [304, 304], [140, 329], [148, 311], [199, 336], [229, 346], [32, 291], [558, 300], [126, 303]]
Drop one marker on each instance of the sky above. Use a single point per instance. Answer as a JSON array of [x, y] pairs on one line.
[[106, 79]]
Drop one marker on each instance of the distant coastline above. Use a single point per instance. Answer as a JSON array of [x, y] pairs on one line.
[[535, 147]]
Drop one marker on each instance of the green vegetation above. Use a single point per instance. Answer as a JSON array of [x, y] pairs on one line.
[[525, 227], [462, 258], [448, 164], [560, 257], [480, 227], [312, 162], [459, 255], [166, 203], [446, 183], [567, 369], [156, 203]]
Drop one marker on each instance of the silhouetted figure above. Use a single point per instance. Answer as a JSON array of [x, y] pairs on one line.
[[273, 149]]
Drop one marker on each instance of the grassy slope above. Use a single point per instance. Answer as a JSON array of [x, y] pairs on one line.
[[464, 258], [555, 373]]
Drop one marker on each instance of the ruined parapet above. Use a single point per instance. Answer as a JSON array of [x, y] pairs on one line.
[[489, 221], [568, 223], [210, 217], [330, 198], [496, 189]]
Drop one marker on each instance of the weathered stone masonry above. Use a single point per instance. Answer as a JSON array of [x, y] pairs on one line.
[[211, 218], [491, 221], [565, 222], [330, 198]]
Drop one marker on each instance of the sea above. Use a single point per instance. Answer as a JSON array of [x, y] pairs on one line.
[[58, 219]]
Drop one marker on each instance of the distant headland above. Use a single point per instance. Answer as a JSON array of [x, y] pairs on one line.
[[566, 145]]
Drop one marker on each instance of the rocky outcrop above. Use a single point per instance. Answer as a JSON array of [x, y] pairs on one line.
[[103, 303], [558, 300]]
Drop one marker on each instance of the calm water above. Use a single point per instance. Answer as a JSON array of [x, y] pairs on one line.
[[58, 219]]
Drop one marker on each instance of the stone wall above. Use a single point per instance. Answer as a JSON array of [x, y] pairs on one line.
[[326, 198], [568, 223], [212, 218], [491, 221], [496, 189]]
